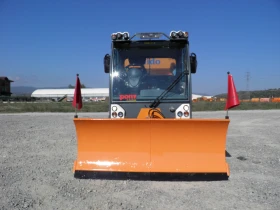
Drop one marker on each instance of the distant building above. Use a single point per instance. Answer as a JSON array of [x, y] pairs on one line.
[[195, 96], [5, 86], [58, 93], [86, 93]]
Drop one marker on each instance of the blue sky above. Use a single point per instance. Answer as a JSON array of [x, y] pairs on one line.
[[45, 43]]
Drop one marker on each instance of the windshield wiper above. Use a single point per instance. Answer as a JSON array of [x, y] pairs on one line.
[[156, 102]]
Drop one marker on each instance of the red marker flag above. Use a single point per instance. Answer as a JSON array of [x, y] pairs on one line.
[[77, 101], [232, 97]]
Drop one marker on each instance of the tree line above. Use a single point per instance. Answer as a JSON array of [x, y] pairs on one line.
[[255, 94]]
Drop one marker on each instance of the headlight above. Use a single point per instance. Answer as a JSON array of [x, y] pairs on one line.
[[180, 34], [117, 111], [186, 108], [125, 35], [173, 34], [180, 114], [186, 113], [114, 36], [183, 111], [119, 35], [114, 114]]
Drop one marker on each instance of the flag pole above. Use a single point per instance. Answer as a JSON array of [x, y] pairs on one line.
[[227, 117], [232, 96], [76, 115]]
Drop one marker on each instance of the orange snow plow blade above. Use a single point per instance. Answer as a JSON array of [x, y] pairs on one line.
[[151, 145]]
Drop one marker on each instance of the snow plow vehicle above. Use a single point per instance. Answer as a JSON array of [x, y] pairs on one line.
[[150, 128]]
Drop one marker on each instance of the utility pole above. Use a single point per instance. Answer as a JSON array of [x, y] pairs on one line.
[[247, 84]]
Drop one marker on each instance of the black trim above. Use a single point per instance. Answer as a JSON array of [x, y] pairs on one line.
[[146, 176]]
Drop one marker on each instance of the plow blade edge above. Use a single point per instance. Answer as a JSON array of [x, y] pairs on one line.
[[151, 145]]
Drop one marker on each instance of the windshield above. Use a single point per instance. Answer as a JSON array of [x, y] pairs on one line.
[[142, 74]]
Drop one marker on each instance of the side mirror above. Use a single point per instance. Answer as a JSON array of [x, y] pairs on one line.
[[107, 63], [193, 63]]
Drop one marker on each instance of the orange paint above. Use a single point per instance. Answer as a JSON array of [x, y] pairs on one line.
[[158, 66], [146, 113], [151, 145], [275, 100]]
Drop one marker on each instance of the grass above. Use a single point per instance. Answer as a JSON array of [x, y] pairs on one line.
[[51, 107], [217, 106], [103, 107]]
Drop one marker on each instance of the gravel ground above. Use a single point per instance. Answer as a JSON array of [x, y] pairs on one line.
[[37, 153]]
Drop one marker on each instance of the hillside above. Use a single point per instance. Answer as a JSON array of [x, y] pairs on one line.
[[22, 90], [255, 94], [27, 90]]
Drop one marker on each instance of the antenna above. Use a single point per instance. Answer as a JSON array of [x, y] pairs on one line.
[[247, 84]]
